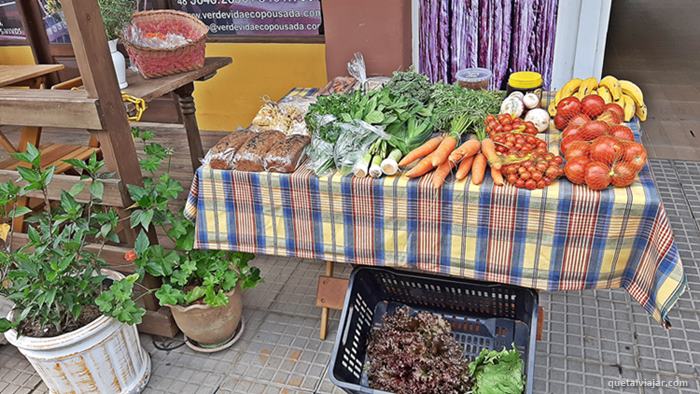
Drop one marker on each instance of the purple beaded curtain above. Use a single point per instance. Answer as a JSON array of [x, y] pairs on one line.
[[501, 35]]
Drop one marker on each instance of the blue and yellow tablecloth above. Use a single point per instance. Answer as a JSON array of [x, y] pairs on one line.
[[565, 237]]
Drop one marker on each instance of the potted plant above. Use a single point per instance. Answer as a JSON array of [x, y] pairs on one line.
[[201, 287], [72, 319], [116, 14]]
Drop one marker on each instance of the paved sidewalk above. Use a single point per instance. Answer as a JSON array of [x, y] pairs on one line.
[[593, 340]]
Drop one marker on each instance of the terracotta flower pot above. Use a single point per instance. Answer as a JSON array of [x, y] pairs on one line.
[[210, 326], [103, 356]]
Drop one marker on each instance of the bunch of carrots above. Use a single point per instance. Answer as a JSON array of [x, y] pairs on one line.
[[442, 155]]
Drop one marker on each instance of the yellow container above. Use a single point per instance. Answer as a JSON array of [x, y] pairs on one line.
[[525, 82]]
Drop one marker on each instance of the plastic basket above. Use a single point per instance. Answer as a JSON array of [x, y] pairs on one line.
[[154, 63], [482, 315]]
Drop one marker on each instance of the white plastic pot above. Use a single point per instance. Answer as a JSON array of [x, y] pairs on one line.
[[104, 356], [119, 63]]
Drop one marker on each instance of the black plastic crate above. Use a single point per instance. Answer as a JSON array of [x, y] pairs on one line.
[[482, 315]]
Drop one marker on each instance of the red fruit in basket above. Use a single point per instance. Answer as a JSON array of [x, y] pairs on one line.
[[569, 107], [597, 175], [570, 131], [593, 130], [616, 108], [635, 154], [564, 145], [606, 149], [560, 122], [592, 105], [579, 120], [622, 132], [575, 169], [623, 174], [577, 149], [610, 118]]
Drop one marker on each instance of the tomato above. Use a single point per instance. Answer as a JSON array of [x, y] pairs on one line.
[[606, 149], [564, 145], [622, 132], [569, 107], [570, 131], [577, 149], [579, 120], [623, 174], [635, 154], [560, 122], [593, 130], [592, 105], [610, 118], [575, 169], [615, 107], [597, 175]]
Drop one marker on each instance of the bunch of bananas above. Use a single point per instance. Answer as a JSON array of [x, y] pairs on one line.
[[625, 93]]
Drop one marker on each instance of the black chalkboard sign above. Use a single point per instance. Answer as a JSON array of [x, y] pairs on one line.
[[10, 21], [256, 17]]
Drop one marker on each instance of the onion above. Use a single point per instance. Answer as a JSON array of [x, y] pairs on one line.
[[539, 118], [531, 101]]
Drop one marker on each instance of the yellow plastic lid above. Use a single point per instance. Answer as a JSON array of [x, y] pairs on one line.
[[525, 80]]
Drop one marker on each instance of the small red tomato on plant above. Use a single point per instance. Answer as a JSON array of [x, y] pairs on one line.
[[575, 170], [592, 105], [597, 175], [130, 256]]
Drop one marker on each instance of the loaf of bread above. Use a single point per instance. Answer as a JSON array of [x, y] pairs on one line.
[[286, 155], [250, 156], [220, 156]]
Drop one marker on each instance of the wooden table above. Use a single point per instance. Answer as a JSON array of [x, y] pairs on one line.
[[183, 86], [26, 75]]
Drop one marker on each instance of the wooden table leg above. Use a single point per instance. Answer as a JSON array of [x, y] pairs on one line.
[[325, 310], [187, 111]]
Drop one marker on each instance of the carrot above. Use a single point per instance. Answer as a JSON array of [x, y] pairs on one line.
[[497, 176], [421, 151], [469, 148], [441, 173], [464, 167], [440, 154], [423, 167], [488, 148], [479, 169]]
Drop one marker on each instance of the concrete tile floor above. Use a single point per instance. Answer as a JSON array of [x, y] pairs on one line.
[[592, 339]]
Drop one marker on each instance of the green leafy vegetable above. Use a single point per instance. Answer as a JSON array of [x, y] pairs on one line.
[[498, 372], [451, 102]]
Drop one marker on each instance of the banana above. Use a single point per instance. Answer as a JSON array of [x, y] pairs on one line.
[[613, 85], [587, 86], [641, 112], [629, 107], [605, 94], [568, 89], [632, 90], [552, 109]]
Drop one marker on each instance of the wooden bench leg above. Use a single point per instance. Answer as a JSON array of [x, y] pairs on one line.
[[325, 310], [187, 111], [540, 322]]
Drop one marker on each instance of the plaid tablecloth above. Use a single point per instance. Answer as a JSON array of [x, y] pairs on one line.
[[564, 237]]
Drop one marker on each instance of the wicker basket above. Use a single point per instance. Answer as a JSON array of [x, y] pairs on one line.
[[154, 63]]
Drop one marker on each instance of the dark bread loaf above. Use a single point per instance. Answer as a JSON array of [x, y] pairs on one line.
[[232, 141], [285, 155], [250, 156]]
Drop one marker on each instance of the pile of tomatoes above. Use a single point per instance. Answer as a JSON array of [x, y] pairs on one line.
[[534, 170], [592, 107], [504, 123], [510, 142]]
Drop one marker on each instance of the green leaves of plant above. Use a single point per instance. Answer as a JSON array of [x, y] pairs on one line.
[[167, 295], [6, 325], [116, 302]]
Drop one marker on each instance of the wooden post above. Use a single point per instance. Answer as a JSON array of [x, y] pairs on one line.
[[97, 71], [325, 311]]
